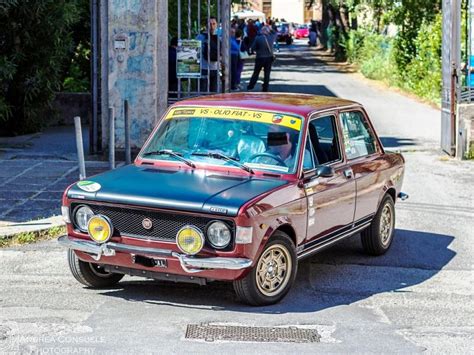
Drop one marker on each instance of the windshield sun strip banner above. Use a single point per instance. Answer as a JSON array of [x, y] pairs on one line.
[[238, 114]]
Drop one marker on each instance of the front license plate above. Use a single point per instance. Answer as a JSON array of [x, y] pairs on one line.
[[149, 262], [161, 263]]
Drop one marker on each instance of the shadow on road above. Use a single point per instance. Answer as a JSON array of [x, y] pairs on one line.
[[303, 89], [394, 142], [339, 276]]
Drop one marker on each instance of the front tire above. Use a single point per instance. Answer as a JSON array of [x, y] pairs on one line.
[[378, 237], [273, 274], [89, 274]]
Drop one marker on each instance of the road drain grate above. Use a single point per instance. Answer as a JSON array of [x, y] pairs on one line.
[[210, 332]]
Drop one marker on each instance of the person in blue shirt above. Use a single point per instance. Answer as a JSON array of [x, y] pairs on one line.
[[234, 59]]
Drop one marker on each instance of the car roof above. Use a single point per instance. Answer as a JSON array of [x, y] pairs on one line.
[[300, 104]]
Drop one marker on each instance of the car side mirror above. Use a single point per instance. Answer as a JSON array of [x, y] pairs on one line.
[[324, 171]]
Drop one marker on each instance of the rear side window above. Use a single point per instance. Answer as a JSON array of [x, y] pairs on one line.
[[358, 138]]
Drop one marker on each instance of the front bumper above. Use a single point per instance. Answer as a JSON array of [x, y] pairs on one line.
[[188, 263]]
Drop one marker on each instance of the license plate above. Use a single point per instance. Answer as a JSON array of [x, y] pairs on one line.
[[163, 263], [149, 262]]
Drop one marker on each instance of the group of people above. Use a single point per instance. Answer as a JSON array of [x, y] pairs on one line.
[[251, 37]]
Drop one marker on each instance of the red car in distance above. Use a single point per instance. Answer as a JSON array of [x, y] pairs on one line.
[[302, 32]]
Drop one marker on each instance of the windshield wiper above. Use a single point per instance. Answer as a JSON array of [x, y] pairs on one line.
[[172, 154], [217, 155]]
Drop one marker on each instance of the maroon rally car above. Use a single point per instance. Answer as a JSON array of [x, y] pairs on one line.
[[236, 187]]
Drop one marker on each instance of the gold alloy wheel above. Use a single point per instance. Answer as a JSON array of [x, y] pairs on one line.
[[273, 270], [386, 224]]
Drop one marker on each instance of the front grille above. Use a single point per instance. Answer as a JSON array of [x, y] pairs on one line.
[[128, 222]]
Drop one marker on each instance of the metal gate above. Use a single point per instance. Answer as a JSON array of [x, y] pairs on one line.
[[451, 57], [191, 24]]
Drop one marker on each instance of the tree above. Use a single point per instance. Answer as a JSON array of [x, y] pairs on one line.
[[35, 41]]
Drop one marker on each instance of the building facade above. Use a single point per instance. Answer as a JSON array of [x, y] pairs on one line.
[[256, 5], [296, 11], [267, 8], [289, 10]]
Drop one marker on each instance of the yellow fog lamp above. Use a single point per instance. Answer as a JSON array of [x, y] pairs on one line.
[[190, 240], [100, 228]]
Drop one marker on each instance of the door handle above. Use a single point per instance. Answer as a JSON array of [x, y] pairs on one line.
[[348, 173]]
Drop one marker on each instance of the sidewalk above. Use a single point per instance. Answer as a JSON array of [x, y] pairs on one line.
[[34, 172]]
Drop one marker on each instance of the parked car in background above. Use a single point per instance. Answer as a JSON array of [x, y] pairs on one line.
[[302, 31], [283, 33], [239, 188]]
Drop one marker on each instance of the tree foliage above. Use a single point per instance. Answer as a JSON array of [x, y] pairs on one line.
[[412, 58], [35, 44], [196, 24]]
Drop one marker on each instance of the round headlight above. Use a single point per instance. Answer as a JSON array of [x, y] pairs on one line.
[[82, 216], [219, 235], [100, 228], [190, 240]]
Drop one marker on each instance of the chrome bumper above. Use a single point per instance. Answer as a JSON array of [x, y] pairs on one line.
[[188, 263]]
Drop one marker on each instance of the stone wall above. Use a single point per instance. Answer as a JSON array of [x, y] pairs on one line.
[[138, 63], [69, 105]]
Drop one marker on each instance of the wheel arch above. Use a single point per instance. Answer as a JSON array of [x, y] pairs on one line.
[[392, 192], [289, 230]]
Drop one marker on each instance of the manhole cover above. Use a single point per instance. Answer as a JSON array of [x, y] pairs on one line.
[[209, 332]]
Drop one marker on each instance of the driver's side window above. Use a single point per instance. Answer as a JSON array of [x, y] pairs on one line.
[[324, 139]]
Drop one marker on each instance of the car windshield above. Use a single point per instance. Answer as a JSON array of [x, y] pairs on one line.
[[228, 137]]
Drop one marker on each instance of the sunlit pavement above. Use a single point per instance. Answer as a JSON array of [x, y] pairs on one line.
[[416, 298]]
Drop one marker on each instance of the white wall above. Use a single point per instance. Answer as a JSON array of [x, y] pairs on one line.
[[290, 10]]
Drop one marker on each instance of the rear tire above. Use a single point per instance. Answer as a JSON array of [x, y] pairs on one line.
[[273, 274], [378, 237], [89, 274]]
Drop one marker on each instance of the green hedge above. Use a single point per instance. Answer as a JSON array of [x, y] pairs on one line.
[[378, 57]]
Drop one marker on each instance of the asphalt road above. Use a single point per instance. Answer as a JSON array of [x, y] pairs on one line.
[[416, 298]]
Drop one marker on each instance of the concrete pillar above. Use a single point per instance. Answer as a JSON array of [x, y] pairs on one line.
[[465, 131], [138, 65]]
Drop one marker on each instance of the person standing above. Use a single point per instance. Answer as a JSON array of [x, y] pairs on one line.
[[234, 59], [251, 30], [274, 28], [263, 47], [313, 34], [172, 78], [210, 56], [243, 53], [331, 36]]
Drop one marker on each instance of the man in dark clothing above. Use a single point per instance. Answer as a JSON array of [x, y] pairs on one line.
[[263, 47], [210, 57], [172, 79]]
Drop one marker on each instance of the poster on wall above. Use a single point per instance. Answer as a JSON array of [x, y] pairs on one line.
[[188, 58]]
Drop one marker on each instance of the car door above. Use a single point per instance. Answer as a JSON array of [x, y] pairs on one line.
[[364, 157], [331, 200]]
